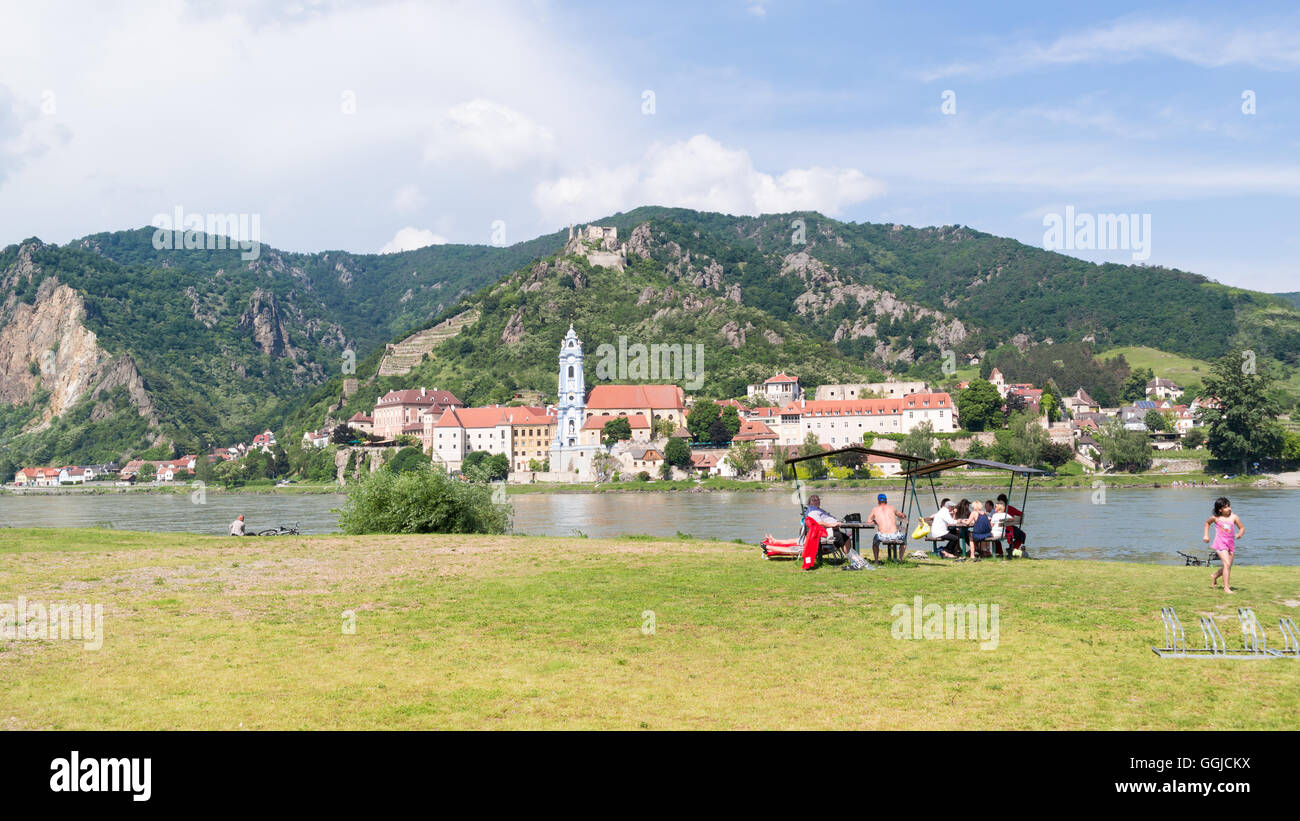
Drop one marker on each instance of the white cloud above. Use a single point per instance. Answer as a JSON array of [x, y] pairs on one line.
[[408, 198], [488, 132], [1210, 45], [408, 239], [704, 174]]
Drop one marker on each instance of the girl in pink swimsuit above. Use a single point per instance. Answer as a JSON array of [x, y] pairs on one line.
[[1227, 530]]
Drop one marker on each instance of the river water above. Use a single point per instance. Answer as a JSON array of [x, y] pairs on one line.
[[1139, 524]]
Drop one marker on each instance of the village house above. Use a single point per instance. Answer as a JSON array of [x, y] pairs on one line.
[[1080, 402], [71, 475], [637, 458], [396, 410], [779, 390], [316, 438], [362, 423], [1163, 389], [264, 441], [755, 430], [531, 431], [999, 382]]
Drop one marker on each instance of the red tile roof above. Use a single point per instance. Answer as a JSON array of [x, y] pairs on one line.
[[636, 396], [753, 429], [420, 396], [781, 377]]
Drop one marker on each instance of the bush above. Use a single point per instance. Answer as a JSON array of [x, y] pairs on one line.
[[643, 476], [408, 460], [422, 501]]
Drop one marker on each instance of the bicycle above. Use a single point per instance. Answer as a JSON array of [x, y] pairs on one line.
[[280, 531]]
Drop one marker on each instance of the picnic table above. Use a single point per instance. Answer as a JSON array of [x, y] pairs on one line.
[[894, 550]]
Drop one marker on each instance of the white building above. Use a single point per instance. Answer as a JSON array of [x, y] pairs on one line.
[[780, 389], [840, 423], [861, 390]]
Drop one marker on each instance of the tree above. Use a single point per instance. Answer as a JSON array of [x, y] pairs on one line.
[[1023, 441], [1194, 438], [743, 458], [232, 473], [1015, 403], [604, 465], [945, 450], [481, 466], [700, 417], [421, 501], [977, 405], [345, 435], [1049, 405], [677, 453], [1242, 425], [147, 473], [812, 468], [731, 419], [919, 442], [1057, 453], [1123, 449], [663, 428], [1156, 421], [1134, 387], [407, 460], [1291, 447], [718, 432], [204, 470], [616, 430]]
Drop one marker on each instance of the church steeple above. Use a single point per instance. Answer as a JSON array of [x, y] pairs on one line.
[[572, 401]]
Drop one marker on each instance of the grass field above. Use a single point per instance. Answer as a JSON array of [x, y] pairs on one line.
[[1182, 369], [516, 632]]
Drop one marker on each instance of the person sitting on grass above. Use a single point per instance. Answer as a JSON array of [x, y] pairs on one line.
[[886, 518], [237, 526]]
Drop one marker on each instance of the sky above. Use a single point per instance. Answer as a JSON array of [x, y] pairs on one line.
[[384, 126]]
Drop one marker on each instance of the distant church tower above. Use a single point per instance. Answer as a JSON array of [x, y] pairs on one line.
[[568, 410]]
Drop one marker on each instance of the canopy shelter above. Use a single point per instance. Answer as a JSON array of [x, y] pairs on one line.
[[910, 465], [929, 469]]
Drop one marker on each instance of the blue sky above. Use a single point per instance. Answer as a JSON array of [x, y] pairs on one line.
[[390, 125]]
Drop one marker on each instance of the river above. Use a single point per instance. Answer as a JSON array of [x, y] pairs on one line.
[[1138, 524]]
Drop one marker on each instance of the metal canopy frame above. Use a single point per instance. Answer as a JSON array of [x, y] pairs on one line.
[[909, 474], [929, 469]]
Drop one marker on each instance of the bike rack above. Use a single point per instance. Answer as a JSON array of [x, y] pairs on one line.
[[1214, 645], [1290, 637]]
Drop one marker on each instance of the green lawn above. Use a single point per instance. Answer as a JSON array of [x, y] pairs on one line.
[[1182, 369], [521, 632]]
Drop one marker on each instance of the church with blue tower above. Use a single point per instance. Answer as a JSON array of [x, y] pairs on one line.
[[567, 451]]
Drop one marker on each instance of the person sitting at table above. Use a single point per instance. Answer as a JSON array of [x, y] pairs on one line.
[[997, 524], [942, 525], [886, 518], [1015, 538], [826, 521], [964, 519], [982, 531]]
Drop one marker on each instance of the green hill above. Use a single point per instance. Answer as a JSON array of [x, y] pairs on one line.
[[110, 347]]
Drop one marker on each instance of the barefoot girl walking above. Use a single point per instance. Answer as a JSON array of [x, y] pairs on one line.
[[1227, 530]]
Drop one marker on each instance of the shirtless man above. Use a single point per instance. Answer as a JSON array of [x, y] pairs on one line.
[[886, 518]]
